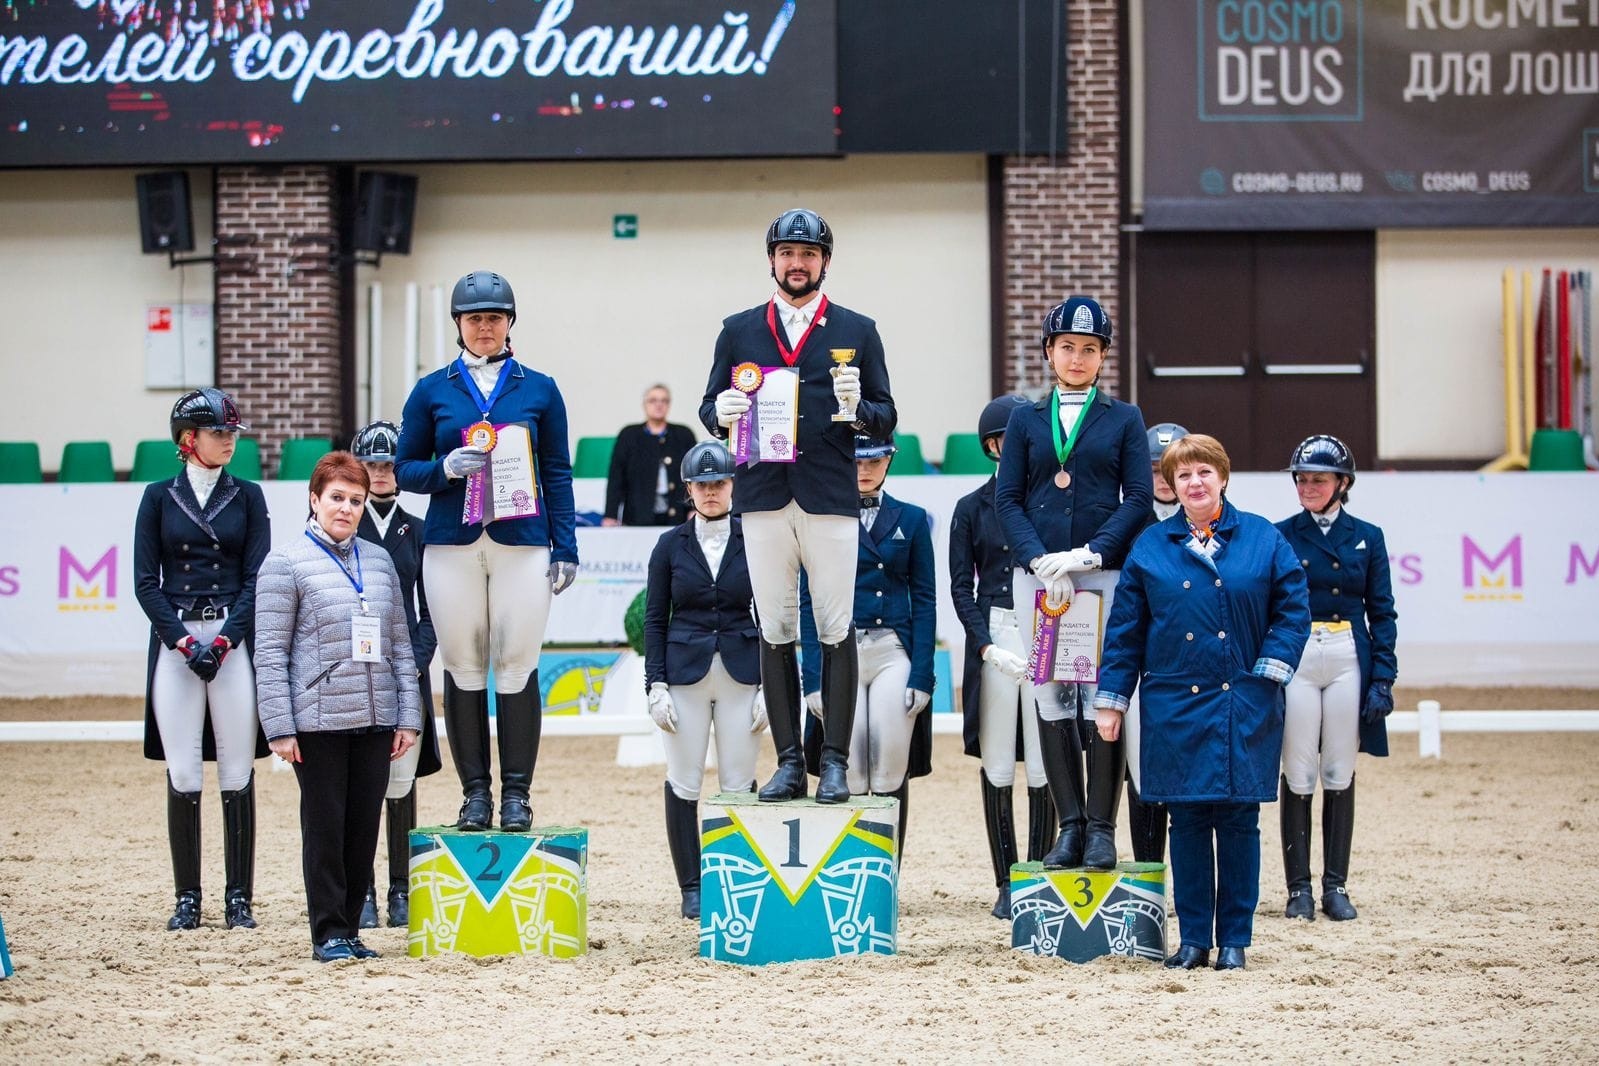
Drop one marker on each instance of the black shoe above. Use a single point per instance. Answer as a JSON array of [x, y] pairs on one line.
[[1230, 958], [1061, 748], [1107, 766], [691, 904], [683, 840], [399, 906], [840, 679], [999, 821], [369, 909], [238, 853], [780, 683], [521, 722], [186, 915], [1337, 834], [1294, 811], [466, 721], [335, 950], [1002, 904], [1188, 958], [360, 950], [237, 911]]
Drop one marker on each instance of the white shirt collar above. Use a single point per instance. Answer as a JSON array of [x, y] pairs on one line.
[[1325, 521], [789, 314], [202, 480]]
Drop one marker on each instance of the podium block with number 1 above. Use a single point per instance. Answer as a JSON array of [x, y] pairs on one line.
[[798, 880]]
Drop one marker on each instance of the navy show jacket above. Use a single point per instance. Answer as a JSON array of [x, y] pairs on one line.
[[978, 547], [691, 615]]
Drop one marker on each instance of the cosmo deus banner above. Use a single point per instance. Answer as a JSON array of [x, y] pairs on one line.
[[160, 82]]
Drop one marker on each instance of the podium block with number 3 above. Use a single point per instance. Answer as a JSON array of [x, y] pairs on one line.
[[1080, 915], [494, 893], [798, 880]]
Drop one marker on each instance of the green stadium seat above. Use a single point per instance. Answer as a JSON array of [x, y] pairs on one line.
[[246, 462], [1556, 449], [963, 454], [19, 463], [908, 459], [154, 460], [85, 461], [593, 457], [300, 457]]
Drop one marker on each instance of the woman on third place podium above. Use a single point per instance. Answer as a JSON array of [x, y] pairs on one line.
[[895, 620], [337, 693], [1074, 490], [702, 656], [385, 522], [1001, 719], [490, 582], [1210, 618], [1344, 688], [198, 542]]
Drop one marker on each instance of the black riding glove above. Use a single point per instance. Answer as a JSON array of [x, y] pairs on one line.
[[208, 660]]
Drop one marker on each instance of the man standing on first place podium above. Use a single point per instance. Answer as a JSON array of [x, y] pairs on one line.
[[796, 492]]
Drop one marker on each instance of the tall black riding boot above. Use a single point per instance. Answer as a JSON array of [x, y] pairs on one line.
[[903, 794], [1147, 822], [840, 678], [402, 819], [521, 723], [1337, 836], [1042, 823], [1107, 765], [466, 720], [238, 854], [683, 839], [1295, 815], [1063, 765], [183, 835], [1001, 825], [780, 683]]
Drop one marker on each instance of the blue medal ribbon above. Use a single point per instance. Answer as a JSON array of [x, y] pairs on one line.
[[477, 394], [354, 579]]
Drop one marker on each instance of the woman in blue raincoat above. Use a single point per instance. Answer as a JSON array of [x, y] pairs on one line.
[[1211, 616]]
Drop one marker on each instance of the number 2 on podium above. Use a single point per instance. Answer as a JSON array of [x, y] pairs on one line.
[[793, 844], [489, 872]]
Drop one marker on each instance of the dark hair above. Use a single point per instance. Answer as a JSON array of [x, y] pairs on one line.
[[1194, 448], [339, 466]]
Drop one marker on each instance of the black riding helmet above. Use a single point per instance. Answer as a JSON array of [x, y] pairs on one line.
[[1324, 453], [204, 409], [798, 225], [996, 415], [378, 442], [709, 460]]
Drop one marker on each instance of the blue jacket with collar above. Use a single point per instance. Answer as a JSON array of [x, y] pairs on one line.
[[978, 547], [1186, 631], [439, 408], [1110, 495], [1347, 568], [691, 615], [822, 480]]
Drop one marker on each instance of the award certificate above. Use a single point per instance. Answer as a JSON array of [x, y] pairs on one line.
[[768, 431], [508, 487], [1066, 644]]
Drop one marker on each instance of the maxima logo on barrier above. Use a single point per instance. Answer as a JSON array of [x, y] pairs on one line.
[[87, 588], [1491, 578], [1276, 61]]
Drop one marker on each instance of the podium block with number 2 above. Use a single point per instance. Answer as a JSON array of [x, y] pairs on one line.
[[494, 893], [1080, 915], [798, 880]]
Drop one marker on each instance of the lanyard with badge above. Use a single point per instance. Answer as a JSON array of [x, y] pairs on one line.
[[1064, 450], [366, 628]]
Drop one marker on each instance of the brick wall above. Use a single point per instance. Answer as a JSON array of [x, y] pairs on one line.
[[1062, 217], [277, 325]]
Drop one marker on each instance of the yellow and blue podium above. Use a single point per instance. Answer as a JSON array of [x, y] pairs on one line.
[[494, 893], [1079, 915], [5, 955], [781, 882]]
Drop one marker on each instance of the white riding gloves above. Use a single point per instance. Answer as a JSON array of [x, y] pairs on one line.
[[730, 406], [813, 703], [758, 712], [1058, 592], [1084, 559], [847, 386], [662, 709], [561, 576], [465, 461], [1052, 565], [1006, 662], [916, 701]]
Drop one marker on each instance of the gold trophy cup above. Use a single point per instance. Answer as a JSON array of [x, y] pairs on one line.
[[843, 357]]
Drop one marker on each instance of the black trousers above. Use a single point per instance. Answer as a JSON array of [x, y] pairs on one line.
[[343, 777]]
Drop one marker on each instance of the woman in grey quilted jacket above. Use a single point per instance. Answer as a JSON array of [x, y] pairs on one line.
[[336, 691]]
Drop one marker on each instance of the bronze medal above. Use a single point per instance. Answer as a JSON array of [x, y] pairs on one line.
[[1062, 479]]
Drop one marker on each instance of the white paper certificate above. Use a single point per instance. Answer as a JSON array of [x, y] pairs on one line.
[[1070, 644], [769, 430], [513, 482]]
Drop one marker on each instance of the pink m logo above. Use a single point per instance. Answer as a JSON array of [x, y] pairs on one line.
[[1473, 557], [87, 586]]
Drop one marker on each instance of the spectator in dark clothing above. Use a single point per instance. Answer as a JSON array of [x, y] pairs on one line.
[[644, 486]]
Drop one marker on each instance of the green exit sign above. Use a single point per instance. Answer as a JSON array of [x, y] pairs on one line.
[[624, 227]]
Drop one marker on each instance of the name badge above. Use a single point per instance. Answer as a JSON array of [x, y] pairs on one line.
[[366, 638]]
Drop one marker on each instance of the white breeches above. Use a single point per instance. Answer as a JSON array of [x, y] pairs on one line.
[[999, 697], [490, 603], [1060, 700], [880, 743], [402, 771], [1321, 733], [714, 698], [777, 544], [179, 698]]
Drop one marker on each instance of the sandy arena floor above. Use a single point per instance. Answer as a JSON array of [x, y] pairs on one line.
[[1476, 877]]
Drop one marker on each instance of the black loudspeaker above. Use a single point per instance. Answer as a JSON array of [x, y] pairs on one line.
[[165, 224], [385, 205]]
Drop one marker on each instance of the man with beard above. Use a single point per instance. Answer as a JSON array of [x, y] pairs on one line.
[[798, 498]]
